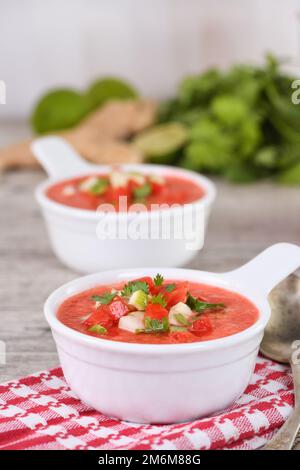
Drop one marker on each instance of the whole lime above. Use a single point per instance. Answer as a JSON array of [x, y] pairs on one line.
[[57, 110], [109, 88]]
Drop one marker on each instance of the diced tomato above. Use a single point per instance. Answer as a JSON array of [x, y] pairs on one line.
[[156, 311], [113, 194], [157, 188], [100, 316], [201, 327], [201, 298], [177, 295], [118, 308], [133, 185], [181, 337], [148, 281]]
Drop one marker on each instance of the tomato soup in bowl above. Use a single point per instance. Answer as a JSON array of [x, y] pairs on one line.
[[158, 311], [86, 208], [92, 191], [167, 348]]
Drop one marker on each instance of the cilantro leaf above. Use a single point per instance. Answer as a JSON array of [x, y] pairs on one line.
[[158, 280], [199, 306], [159, 299], [133, 286], [105, 298], [99, 187], [169, 287], [156, 326], [142, 191]]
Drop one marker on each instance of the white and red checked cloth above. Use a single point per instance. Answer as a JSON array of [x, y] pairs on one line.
[[40, 412]]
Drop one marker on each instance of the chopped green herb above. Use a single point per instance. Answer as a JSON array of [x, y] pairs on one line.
[[181, 319], [156, 326], [105, 298], [158, 280], [176, 329], [98, 329], [142, 191], [170, 287], [132, 287], [199, 306], [100, 187], [159, 299]]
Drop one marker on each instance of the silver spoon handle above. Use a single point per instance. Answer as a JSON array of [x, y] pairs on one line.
[[286, 436]]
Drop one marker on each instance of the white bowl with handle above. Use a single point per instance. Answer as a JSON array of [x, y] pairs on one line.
[[74, 233], [161, 383]]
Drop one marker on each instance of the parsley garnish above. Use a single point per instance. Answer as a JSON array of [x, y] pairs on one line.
[[105, 298], [99, 187], [133, 286], [98, 329], [159, 299], [158, 280], [142, 191], [199, 306], [169, 287], [156, 326]]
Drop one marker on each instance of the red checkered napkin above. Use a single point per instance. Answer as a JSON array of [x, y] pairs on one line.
[[41, 412]]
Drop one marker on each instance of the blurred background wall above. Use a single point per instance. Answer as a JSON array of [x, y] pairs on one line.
[[153, 43]]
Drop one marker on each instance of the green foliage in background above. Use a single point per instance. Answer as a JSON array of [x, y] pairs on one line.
[[64, 108], [240, 124]]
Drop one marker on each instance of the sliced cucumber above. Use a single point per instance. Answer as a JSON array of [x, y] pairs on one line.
[[99, 329], [139, 300], [161, 141]]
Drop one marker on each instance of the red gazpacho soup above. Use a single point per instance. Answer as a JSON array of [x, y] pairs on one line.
[[158, 311], [89, 192]]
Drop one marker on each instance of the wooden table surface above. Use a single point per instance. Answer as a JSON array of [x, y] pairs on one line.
[[245, 220]]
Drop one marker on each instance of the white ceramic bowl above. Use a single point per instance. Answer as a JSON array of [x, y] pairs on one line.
[[73, 232], [169, 383]]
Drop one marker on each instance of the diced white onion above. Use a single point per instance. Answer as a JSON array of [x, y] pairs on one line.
[[181, 309], [132, 322], [88, 183], [137, 178], [157, 179], [69, 190], [118, 179]]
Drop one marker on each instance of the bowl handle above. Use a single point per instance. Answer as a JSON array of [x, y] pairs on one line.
[[58, 158], [267, 269]]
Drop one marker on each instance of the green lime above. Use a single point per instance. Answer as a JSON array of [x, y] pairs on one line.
[[58, 109], [160, 141], [107, 89]]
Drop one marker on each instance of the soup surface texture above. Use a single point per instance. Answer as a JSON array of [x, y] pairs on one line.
[[157, 311], [91, 191]]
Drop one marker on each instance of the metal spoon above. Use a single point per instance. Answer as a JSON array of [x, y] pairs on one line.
[[281, 343]]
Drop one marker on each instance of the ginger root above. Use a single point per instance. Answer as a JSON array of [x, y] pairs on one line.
[[99, 138]]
